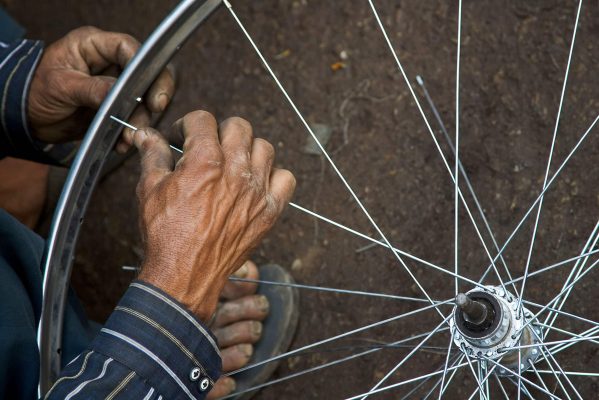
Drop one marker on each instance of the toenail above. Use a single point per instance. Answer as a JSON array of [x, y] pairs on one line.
[[262, 303], [256, 329], [242, 271], [246, 349]]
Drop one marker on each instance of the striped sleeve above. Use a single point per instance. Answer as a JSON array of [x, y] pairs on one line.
[[18, 61], [151, 347]]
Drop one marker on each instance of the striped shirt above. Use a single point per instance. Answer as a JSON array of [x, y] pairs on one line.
[[18, 61], [150, 347]]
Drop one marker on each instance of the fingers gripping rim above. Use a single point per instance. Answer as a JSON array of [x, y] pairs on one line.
[[100, 138]]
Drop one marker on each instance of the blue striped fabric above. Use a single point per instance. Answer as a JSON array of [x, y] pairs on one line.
[[18, 61], [149, 346]]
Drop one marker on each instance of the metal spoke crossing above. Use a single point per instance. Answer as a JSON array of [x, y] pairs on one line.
[[557, 119], [325, 153], [452, 364]]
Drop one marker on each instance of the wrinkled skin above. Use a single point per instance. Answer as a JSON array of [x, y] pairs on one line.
[[201, 216], [74, 76]]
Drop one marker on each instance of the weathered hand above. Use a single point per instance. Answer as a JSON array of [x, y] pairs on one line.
[[202, 216], [74, 76]]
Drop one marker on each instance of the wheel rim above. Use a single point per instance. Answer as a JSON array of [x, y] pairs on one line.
[[468, 363], [100, 138]]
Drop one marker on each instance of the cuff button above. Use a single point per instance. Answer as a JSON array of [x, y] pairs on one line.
[[195, 374], [204, 384]]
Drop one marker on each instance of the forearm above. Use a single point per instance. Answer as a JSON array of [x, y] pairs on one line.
[[150, 344]]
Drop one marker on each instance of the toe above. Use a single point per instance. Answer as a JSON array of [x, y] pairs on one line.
[[222, 387], [236, 357], [237, 289], [238, 332], [254, 307]]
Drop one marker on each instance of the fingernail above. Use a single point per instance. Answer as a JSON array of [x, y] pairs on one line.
[[256, 329], [262, 303], [246, 349], [163, 100], [241, 272]]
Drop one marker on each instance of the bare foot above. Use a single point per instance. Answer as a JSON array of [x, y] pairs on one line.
[[23, 186], [237, 325]]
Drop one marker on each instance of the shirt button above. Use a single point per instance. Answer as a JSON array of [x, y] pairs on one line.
[[195, 374], [204, 384]]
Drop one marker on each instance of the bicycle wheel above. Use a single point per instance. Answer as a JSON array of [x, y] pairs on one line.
[[487, 347]]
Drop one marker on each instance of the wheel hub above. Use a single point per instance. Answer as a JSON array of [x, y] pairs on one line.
[[486, 324]]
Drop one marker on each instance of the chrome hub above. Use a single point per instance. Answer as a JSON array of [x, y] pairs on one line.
[[486, 324]]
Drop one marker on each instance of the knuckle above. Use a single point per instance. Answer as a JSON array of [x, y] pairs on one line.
[[199, 117], [85, 30], [237, 124], [267, 147]]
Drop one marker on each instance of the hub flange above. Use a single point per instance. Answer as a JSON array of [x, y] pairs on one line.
[[486, 323]]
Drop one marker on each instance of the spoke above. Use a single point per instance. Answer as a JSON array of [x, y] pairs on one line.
[[446, 365], [550, 366], [328, 289], [558, 348], [446, 164], [398, 384], [523, 379], [578, 267], [559, 381], [325, 153], [407, 357], [546, 187], [456, 360], [524, 389], [336, 337], [557, 119], [552, 266], [443, 389], [325, 365], [557, 297], [479, 207], [537, 374], [571, 373], [417, 387], [501, 387], [573, 340], [484, 380], [338, 225], [298, 207], [563, 331], [567, 314], [457, 147], [476, 377], [519, 373]]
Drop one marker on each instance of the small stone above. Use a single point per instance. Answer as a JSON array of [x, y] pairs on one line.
[[296, 265], [343, 55], [322, 133]]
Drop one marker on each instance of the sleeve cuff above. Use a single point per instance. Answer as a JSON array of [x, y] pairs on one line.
[[155, 336], [18, 62]]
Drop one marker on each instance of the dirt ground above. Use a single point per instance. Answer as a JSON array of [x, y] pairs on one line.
[[513, 60]]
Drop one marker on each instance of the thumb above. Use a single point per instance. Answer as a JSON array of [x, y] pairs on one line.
[[90, 91], [157, 160]]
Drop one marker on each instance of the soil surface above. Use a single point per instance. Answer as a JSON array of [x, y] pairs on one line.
[[333, 60]]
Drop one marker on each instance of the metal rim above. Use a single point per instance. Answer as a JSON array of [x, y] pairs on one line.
[[99, 140]]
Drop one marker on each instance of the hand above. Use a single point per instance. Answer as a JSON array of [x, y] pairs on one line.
[[74, 76], [202, 216]]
